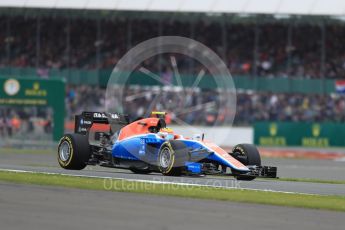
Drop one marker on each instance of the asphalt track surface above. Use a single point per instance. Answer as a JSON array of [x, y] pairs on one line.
[[320, 169], [38, 207]]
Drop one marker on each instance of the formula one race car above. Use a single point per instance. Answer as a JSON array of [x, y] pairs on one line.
[[146, 145]]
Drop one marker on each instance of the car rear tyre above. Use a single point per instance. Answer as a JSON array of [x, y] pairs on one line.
[[247, 154], [73, 151]]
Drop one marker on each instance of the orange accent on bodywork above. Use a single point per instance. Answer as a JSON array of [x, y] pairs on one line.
[[224, 154], [100, 127], [138, 127], [95, 127], [176, 136]]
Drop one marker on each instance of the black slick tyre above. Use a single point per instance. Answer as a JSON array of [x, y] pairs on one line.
[[73, 151], [247, 154], [171, 158]]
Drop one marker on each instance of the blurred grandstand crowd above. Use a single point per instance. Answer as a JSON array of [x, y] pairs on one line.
[[203, 107], [276, 56], [26, 122], [282, 51], [251, 107]]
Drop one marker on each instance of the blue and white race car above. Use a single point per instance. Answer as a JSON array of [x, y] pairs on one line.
[[146, 145]]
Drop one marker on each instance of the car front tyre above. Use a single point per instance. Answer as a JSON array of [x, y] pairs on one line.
[[247, 154]]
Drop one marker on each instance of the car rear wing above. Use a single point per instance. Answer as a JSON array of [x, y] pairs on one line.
[[84, 121]]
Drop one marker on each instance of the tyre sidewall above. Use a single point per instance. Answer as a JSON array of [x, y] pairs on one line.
[[168, 169], [247, 154], [79, 151], [66, 138]]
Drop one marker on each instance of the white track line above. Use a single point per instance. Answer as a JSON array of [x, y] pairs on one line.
[[340, 159], [152, 181]]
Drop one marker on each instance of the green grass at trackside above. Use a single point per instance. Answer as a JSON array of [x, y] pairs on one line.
[[305, 180], [309, 180], [335, 203], [26, 151]]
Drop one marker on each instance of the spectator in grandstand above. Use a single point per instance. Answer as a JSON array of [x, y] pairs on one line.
[[251, 107], [276, 55]]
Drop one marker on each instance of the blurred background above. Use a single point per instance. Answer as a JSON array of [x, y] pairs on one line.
[[287, 60]]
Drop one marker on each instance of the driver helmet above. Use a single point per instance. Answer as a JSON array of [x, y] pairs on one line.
[[166, 133]]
